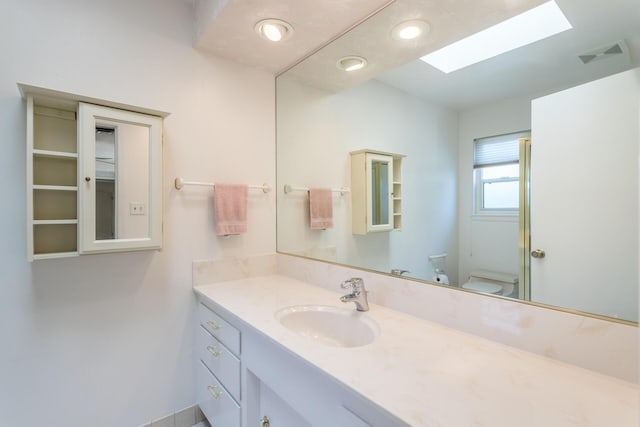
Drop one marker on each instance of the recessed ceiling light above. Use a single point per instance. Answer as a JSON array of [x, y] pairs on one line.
[[409, 30], [275, 30], [535, 24], [351, 63]]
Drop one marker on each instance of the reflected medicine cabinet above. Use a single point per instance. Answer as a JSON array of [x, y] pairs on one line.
[[94, 175], [376, 191]]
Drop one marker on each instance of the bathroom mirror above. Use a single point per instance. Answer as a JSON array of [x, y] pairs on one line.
[[574, 238], [121, 179], [380, 192]]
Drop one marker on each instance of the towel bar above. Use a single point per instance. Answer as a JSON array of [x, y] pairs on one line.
[[288, 189], [179, 183]]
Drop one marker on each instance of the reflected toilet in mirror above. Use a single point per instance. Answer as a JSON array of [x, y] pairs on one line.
[[491, 282]]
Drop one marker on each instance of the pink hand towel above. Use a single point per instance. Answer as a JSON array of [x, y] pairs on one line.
[[230, 205], [320, 208]]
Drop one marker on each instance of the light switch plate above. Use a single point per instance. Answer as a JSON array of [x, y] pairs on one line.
[[136, 209]]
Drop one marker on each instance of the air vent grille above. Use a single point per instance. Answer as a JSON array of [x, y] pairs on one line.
[[605, 52]]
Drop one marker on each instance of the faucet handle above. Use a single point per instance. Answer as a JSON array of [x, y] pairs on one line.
[[347, 284], [355, 283]]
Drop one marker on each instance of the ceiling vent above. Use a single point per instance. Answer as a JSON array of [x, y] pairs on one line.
[[609, 51]]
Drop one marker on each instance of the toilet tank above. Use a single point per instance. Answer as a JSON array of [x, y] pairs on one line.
[[494, 276]]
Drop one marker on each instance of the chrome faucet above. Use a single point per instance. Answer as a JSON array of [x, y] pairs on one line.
[[399, 271], [358, 293]]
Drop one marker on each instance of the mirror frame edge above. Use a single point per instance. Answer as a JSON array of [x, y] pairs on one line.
[[500, 297]]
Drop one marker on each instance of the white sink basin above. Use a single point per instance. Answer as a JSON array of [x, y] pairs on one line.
[[331, 326]]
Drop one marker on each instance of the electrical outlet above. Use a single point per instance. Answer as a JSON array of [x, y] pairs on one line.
[[136, 209]]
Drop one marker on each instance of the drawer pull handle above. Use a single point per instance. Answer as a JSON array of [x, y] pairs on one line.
[[214, 351], [215, 393], [213, 325]]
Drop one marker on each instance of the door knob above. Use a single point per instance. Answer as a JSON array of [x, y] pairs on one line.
[[538, 253]]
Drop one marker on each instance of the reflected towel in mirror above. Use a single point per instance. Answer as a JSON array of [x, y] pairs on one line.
[[230, 206], [320, 208]]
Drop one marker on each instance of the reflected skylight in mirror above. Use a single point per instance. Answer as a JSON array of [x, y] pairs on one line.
[[536, 24]]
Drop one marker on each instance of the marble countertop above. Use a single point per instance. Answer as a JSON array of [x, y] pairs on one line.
[[429, 375]]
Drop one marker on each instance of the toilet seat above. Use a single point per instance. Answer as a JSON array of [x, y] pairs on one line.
[[487, 288]]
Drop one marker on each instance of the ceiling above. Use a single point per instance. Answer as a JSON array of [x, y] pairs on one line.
[[226, 29], [543, 67]]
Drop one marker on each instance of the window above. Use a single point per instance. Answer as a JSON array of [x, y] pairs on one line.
[[497, 174]]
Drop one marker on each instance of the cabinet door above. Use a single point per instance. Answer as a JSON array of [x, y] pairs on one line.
[[379, 176], [214, 401], [120, 180], [224, 365]]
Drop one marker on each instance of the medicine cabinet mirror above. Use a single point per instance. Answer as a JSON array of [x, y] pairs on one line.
[[575, 93], [380, 186], [94, 175], [121, 183]]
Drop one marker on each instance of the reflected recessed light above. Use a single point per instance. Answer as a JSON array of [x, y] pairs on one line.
[[535, 24], [351, 63], [410, 30], [275, 30]]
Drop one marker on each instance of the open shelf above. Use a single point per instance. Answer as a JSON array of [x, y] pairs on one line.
[[55, 171], [54, 221], [55, 187], [52, 177], [54, 205], [55, 255], [54, 238], [54, 154]]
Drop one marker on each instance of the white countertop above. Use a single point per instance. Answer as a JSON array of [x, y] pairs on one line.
[[429, 375]]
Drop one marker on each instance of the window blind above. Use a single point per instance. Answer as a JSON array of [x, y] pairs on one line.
[[497, 150]]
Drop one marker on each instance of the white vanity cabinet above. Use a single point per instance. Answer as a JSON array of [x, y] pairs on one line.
[[245, 378], [376, 191], [218, 381], [94, 175]]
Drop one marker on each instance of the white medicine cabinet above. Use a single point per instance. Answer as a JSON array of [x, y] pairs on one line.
[[94, 175], [376, 191]]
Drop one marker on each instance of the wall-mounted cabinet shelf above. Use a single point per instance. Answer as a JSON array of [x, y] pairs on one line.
[[61, 207], [397, 191], [376, 193], [52, 183]]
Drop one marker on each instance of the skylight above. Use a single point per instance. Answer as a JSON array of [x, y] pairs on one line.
[[535, 24]]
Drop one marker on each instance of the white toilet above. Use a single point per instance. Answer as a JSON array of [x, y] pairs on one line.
[[491, 282]]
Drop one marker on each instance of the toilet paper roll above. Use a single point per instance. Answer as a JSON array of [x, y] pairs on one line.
[[441, 278]]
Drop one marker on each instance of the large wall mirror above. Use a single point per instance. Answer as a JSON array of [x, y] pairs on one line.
[[520, 170]]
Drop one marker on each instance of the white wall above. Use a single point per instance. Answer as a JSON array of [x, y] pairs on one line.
[[107, 339], [316, 132], [488, 243]]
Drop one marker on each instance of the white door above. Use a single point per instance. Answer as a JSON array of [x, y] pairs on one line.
[[584, 197]]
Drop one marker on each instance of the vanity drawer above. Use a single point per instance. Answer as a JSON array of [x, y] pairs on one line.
[[214, 401], [224, 365], [220, 328]]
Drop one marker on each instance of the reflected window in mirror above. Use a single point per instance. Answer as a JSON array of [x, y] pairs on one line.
[[497, 174]]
